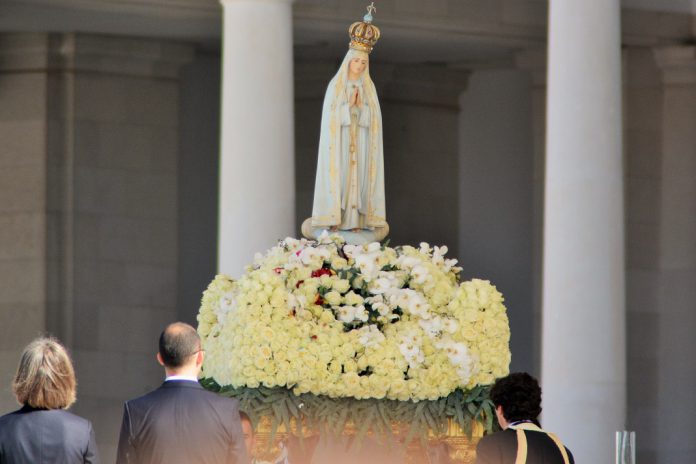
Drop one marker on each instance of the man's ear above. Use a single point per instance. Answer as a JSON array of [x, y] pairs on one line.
[[199, 357], [159, 359]]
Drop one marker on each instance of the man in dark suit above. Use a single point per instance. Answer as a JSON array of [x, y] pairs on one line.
[[181, 422], [517, 400]]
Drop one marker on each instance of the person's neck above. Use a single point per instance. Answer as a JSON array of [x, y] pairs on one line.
[[353, 77], [188, 371], [518, 422]]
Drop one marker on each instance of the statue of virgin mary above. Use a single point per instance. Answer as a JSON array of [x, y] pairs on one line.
[[349, 188]]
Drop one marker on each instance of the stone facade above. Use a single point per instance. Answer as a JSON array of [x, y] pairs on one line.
[[108, 177], [90, 221]]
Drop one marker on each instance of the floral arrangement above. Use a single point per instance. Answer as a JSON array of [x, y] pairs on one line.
[[334, 320]]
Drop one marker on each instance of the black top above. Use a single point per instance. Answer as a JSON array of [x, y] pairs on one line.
[[51, 436], [181, 422], [501, 448]]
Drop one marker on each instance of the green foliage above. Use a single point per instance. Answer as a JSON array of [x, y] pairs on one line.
[[333, 415]]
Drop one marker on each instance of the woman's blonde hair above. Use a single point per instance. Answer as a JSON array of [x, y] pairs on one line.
[[45, 376]]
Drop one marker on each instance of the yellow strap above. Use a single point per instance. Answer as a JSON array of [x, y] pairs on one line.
[[522, 442], [521, 447], [558, 443]]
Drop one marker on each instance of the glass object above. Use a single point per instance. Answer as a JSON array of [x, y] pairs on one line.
[[625, 447]]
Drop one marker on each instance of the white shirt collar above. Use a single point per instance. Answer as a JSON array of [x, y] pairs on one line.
[[190, 378]]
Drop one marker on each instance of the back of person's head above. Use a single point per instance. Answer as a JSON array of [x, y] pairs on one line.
[[244, 417], [247, 432], [177, 343], [520, 396], [45, 376]]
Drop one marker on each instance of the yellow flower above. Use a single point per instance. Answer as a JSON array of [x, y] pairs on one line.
[[341, 285], [333, 298], [266, 329]]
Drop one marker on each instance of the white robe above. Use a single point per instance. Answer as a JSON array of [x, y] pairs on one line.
[[349, 188]]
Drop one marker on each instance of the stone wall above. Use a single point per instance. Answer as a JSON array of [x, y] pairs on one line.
[[496, 199], [90, 252], [661, 251]]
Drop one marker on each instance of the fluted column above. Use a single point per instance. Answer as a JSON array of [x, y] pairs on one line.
[[583, 358], [257, 189]]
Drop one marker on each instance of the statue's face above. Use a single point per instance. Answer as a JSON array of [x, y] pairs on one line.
[[357, 65]]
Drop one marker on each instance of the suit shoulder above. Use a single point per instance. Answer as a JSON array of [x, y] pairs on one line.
[[499, 437], [8, 418], [223, 401], [496, 444], [75, 419]]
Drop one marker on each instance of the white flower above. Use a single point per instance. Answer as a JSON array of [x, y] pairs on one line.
[[407, 262], [413, 303], [370, 336], [439, 254], [384, 282], [361, 313], [432, 327], [420, 274], [310, 257], [412, 354], [227, 304], [346, 313], [449, 265], [377, 303], [366, 259], [324, 237]]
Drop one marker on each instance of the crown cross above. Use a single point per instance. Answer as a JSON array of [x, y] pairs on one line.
[[371, 8]]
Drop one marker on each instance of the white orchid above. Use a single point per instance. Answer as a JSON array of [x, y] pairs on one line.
[[420, 274], [412, 354], [370, 335], [385, 282]]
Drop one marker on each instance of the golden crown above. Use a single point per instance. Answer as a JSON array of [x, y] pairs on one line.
[[363, 34]]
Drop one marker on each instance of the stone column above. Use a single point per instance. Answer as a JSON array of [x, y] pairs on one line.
[[420, 114], [583, 359], [534, 62], [496, 197], [676, 263], [23, 210], [257, 184], [89, 225]]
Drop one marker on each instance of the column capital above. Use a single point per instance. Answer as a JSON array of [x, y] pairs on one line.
[[677, 64]]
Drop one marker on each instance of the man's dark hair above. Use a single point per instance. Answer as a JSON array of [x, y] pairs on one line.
[[177, 342], [520, 396]]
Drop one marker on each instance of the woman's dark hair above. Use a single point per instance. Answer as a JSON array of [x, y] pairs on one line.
[[520, 396]]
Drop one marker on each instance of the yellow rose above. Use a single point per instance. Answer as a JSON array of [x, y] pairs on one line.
[[333, 298], [341, 285], [339, 263], [353, 299]]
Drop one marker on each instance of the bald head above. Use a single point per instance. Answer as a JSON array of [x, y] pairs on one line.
[[177, 343]]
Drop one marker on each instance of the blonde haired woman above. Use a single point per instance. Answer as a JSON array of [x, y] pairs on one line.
[[42, 431]]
